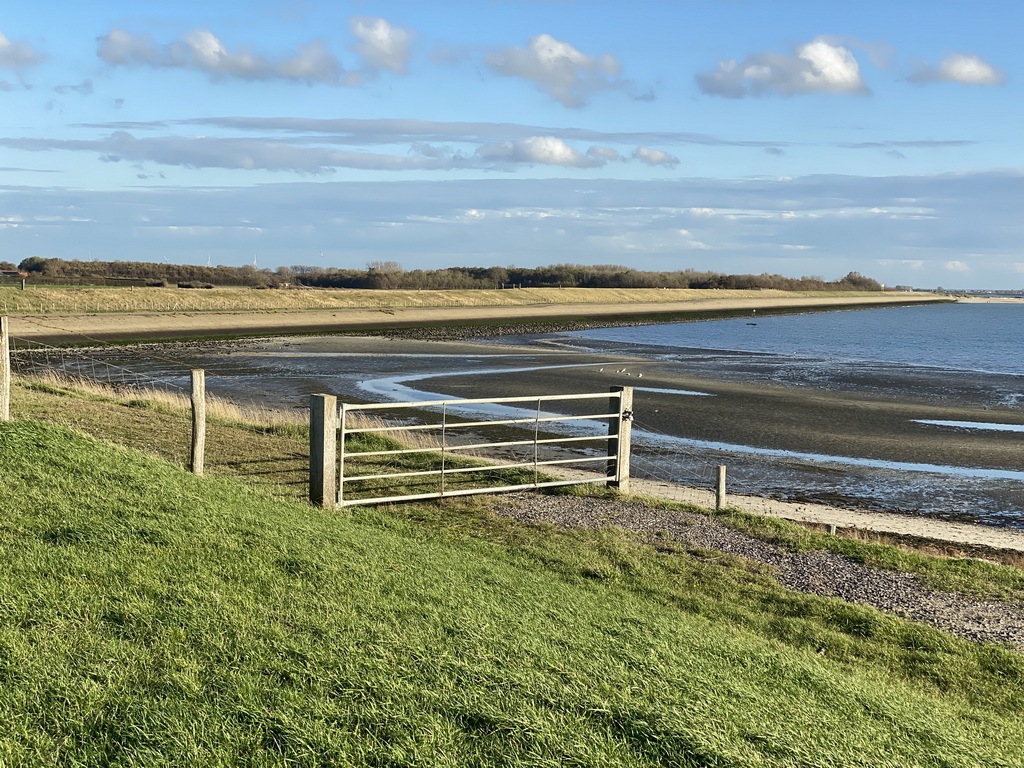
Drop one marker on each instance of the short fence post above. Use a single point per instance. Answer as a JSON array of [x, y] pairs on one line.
[[198, 457], [5, 369], [323, 427], [620, 431], [720, 488]]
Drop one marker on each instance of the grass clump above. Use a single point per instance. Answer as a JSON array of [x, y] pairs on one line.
[[148, 617]]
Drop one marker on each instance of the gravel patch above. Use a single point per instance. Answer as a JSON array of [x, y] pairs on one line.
[[825, 574]]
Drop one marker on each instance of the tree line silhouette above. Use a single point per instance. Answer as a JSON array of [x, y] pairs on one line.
[[390, 275]]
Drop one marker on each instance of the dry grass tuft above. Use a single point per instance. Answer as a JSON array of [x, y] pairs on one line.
[[218, 408]]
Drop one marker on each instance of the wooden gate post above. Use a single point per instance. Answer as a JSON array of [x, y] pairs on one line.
[[720, 487], [323, 446], [620, 432], [198, 457], [5, 369]]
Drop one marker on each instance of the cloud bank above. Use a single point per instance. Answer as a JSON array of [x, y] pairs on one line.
[[269, 154], [813, 225], [202, 51]]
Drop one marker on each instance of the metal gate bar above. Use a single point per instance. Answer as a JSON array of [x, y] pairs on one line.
[[328, 478]]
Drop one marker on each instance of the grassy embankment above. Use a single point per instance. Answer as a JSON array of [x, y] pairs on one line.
[[268, 450], [153, 618], [55, 299]]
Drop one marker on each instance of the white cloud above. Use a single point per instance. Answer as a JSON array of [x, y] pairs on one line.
[[380, 45], [964, 68], [820, 66], [17, 55], [603, 154], [957, 266], [558, 69], [647, 241], [544, 150], [202, 51], [655, 157]]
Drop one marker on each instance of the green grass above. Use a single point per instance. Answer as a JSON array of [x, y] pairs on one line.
[[274, 458], [148, 617]]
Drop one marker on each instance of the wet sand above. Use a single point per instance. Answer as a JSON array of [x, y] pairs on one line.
[[764, 415]]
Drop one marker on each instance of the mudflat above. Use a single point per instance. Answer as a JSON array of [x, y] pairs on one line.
[[764, 415]]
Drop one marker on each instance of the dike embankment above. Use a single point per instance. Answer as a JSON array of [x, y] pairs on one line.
[[422, 322]]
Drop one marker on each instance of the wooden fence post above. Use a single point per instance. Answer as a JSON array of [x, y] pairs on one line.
[[720, 488], [620, 431], [323, 447], [5, 369], [198, 421]]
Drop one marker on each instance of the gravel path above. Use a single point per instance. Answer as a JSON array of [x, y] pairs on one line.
[[826, 574]]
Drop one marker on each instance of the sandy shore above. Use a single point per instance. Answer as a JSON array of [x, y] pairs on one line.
[[121, 327], [944, 531]]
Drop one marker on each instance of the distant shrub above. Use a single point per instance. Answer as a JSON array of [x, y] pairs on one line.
[[195, 284]]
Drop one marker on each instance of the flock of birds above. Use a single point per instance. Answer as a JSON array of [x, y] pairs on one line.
[[623, 370]]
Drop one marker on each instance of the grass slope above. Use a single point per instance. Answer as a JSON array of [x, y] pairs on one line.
[[148, 617], [50, 299], [270, 450]]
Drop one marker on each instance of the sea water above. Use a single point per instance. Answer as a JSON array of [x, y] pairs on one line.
[[956, 354], [981, 338]]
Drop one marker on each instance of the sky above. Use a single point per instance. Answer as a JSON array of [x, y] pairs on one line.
[[739, 136]]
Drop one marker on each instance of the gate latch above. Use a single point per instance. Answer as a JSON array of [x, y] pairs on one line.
[[627, 415]]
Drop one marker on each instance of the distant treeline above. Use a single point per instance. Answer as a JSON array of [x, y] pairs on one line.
[[390, 275]]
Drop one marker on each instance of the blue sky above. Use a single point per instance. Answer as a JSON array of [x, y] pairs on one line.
[[804, 138]]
